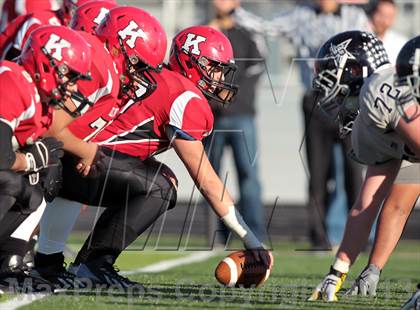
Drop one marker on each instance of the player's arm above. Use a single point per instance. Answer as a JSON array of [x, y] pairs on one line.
[[32, 158], [192, 154], [86, 151], [9, 160], [410, 132], [283, 24], [374, 190]]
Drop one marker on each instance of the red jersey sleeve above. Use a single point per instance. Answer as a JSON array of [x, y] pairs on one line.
[[191, 114], [15, 106]]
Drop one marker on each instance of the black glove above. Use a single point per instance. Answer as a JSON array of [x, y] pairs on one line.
[[51, 180], [43, 153]]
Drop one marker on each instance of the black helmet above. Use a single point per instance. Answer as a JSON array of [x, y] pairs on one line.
[[342, 64], [408, 76]]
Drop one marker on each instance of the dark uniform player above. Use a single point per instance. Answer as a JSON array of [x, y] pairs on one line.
[[350, 63]]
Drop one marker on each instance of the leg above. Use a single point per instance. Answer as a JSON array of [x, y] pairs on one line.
[[353, 176], [147, 195], [15, 189], [319, 142], [394, 215], [214, 146], [56, 224], [244, 146]]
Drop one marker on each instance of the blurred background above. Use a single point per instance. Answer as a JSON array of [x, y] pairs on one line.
[[279, 121]]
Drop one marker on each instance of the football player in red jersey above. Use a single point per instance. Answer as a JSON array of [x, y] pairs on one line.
[[70, 7], [14, 8], [33, 91], [136, 189], [142, 50], [14, 36]]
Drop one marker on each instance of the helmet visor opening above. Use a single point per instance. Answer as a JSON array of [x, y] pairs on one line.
[[217, 79]]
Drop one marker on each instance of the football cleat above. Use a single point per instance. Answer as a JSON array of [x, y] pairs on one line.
[[414, 301], [327, 290], [15, 277], [59, 277], [103, 274]]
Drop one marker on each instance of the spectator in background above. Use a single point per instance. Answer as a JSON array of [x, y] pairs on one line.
[[14, 8], [308, 27], [234, 125], [382, 14]]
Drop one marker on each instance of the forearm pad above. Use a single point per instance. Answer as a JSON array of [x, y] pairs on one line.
[[234, 221]]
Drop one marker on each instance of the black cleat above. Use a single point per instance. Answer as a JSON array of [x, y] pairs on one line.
[[59, 277], [52, 268], [103, 273], [15, 277]]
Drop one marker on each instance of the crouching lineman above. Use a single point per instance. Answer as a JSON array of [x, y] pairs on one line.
[[136, 189], [382, 139], [43, 83], [132, 77], [401, 201]]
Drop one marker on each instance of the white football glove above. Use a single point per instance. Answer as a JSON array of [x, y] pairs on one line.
[[367, 282], [328, 288], [413, 302]]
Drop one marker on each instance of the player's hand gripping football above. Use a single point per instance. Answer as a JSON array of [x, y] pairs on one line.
[[327, 290], [264, 256], [367, 282]]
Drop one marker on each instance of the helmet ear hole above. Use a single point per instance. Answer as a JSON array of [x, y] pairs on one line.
[[189, 64], [45, 68]]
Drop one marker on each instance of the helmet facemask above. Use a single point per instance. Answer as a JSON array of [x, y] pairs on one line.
[[216, 78], [411, 86], [65, 78], [139, 82], [337, 100]]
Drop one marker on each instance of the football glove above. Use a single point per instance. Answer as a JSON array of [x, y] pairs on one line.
[[367, 282], [327, 290], [51, 181], [42, 154]]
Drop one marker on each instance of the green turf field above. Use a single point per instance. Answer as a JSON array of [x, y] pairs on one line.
[[193, 286]]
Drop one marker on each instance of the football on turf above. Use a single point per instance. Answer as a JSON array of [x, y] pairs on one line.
[[241, 269]]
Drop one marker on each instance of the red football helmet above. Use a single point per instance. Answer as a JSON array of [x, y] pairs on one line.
[[57, 57], [88, 16], [205, 56], [137, 42], [70, 7]]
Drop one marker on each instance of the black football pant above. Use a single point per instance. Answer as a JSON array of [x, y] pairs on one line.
[[134, 193], [18, 199], [321, 135]]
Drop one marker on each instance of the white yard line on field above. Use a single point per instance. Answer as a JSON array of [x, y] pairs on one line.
[[195, 257]]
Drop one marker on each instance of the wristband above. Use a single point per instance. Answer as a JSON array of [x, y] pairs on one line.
[[234, 221]]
